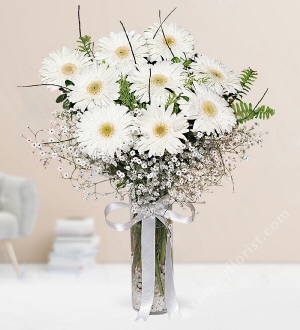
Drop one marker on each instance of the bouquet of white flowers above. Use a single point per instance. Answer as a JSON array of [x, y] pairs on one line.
[[161, 123]]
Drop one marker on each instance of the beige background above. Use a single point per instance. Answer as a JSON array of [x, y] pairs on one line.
[[258, 33]]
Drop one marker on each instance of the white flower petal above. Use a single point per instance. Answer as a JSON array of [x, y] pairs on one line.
[[164, 75], [179, 40], [104, 131], [115, 51], [215, 75], [209, 110], [96, 85], [173, 126], [62, 66]]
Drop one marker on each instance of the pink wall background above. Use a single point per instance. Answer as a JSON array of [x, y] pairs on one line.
[[260, 34]]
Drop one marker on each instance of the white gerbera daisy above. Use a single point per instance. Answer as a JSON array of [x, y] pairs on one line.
[[210, 111], [115, 50], [164, 75], [215, 75], [161, 130], [105, 131], [96, 85], [62, 66], [176, 37]]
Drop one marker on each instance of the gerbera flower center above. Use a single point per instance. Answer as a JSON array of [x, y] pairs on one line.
[[94, 87], [159, 80], [68, 69], [122, 52], [160, 130], [170, 41], [216, 73], [209, 108], [107, 130]]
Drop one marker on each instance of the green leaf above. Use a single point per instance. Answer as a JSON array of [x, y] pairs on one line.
[[61, 98], [244, 112], [85, 45], [69, 83], [264, 112], [187, 63], [176, 108], [126, 97], [66, 104], [176, 60], [247, 77], [185, 97]]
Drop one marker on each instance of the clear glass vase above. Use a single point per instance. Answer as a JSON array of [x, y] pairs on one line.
[[159, 302]]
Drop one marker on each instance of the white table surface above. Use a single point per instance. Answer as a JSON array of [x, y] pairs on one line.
[[211, 297]]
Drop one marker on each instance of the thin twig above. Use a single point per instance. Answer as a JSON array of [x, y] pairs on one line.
[[32, 131], [224, 167], [45, 143], [164, 35], [253, 110], [45, 85], [102, 181], [79, 23], [129, 42], [261, 99], [149, 86], [163, 22]]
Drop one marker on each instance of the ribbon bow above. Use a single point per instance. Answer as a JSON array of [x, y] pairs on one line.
[[148, 251]]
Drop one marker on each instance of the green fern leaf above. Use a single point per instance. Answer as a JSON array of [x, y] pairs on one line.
[[263, 112], [85, 45], [242, 111], [247, 78], [126, 97], [245, 112]]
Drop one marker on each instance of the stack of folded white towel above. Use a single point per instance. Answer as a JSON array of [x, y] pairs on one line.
[[75, 246]]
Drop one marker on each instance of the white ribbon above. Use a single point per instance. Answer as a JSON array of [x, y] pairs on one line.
[[148, 251]]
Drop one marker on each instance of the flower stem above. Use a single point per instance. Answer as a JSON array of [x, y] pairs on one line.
[[163, 247], [158, 278]]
